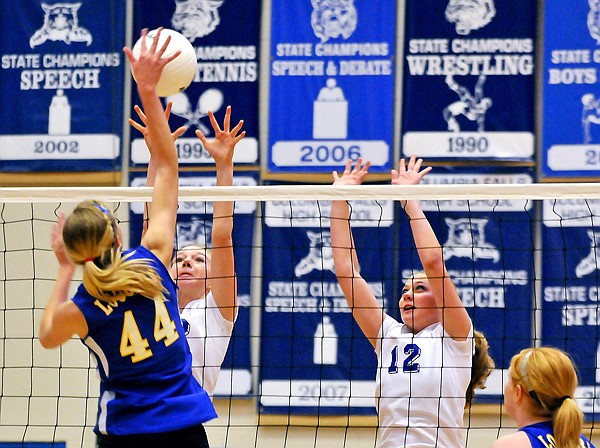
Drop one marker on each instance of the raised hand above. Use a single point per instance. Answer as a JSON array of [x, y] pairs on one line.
[[150, 63], [222, 146], [352, 176], [411, 174], [58, 245], [143, 128]]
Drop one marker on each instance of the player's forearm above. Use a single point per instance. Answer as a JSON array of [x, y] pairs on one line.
[[162, 149], [223, 210], [58, 296], [342, 243], [428, 246]]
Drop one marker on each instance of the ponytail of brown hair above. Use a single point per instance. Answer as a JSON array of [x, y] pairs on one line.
[[482, 366]]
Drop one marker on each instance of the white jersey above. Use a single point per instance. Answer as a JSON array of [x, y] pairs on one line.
[[421, 386], [208, 335]]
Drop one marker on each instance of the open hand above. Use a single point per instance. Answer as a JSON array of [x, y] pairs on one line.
[[143, 128], [411, 174], [149, 65], [222, 146], [352, 176]]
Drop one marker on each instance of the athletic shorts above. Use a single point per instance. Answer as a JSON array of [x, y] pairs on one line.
[[194, 437]]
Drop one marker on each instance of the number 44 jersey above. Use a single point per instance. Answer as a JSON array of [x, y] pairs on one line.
[[143, 360]]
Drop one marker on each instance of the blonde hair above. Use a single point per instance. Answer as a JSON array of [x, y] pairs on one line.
[[90, 237], [549, 376], [482, 366]]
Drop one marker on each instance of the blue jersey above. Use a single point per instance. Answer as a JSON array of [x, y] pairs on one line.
[[143, 360], [541, 435]]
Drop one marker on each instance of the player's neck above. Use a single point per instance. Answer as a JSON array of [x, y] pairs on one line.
[[185, 296]]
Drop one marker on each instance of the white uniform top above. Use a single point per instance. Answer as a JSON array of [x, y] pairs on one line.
[[421, 386], [208, 336]]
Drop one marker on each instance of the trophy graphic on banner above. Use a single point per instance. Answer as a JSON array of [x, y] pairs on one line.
[[330, 112]]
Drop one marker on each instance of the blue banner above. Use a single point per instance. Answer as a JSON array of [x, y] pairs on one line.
[[489, 253], [61, 81], [331, 84], [571, 105], [194, 226], [469, 79], [314, 357], [226, 36], [571, 290]]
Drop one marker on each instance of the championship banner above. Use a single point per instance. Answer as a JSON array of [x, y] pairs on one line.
[[488, 251], [194, 226], [571, 104], [226, 37], [314, 357], [61, 82], [469, 79], [571, 290], [331, 94]]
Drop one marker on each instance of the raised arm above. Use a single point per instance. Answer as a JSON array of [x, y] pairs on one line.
[[61, 319], [160, 234], [366, 310], [455, 320], [143, 128], [222, 279]]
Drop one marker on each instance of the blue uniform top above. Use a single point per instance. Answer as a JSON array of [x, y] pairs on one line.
[[541, 435], [143, 360]]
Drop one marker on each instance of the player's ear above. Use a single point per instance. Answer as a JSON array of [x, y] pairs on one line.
[[519, 391], [119, 240]]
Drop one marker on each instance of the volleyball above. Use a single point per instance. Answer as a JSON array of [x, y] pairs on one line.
[[179, 73]]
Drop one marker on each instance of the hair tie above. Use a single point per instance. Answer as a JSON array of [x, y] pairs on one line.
[[102, 209], [524, 371], [563, 398], [88, 259]]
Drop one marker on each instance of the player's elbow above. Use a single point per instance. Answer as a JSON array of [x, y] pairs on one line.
[[47, 341], [432, 259]]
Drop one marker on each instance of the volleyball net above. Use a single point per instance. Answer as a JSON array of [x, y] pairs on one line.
[[525, 259]]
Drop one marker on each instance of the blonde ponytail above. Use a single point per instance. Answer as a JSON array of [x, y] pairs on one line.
[[549, 377], [90, 236]]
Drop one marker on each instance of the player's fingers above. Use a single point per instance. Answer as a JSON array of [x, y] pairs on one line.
[[129, 54], [154, 44], [358, 165], [136, 125], [239, 137], [425, 171], [237, 127], [418, 164], [143, 46], [227, 120], [348, 166], [140, 113], [411, 162], [170, 58], [401, 166], [202, 137], [213, 122], [179, 132]]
